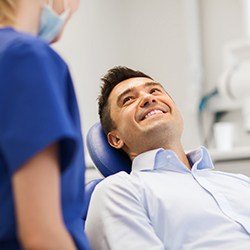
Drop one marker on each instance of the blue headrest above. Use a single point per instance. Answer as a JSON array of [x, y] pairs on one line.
[[107, 159], [89, 188]]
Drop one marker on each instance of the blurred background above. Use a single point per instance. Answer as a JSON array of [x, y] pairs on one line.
[[195, 48]]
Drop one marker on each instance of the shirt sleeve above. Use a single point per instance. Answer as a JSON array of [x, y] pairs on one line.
[[117, 218], [33, 112]]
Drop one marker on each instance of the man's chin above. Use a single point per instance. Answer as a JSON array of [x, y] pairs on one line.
[[155, 126]]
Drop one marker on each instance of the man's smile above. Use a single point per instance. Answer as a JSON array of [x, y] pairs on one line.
[[152, 112]]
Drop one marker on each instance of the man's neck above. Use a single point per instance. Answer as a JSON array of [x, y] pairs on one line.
[[177, 148], [181, 155]]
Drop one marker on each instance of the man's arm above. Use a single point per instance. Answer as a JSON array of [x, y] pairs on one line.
[[36, 188], [117, 218]]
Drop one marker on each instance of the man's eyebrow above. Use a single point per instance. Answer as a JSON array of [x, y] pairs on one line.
[[125, 92], [129, 90], [156, 84]]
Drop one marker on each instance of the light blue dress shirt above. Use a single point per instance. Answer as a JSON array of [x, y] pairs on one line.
[[164, 205]]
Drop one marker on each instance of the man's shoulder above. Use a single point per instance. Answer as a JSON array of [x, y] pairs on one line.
[[119, 184], [115, 180]]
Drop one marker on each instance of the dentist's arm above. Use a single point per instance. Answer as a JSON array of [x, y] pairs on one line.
[[37, 202], [117, 218]]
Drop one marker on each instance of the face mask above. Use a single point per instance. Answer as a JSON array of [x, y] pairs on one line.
[[51, 23]]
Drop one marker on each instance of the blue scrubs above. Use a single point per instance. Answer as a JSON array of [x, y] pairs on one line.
[[37, 108]]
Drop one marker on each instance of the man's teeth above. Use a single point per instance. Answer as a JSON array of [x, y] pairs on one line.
[[153, 112]]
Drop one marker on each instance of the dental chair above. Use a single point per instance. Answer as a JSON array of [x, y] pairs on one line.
[[107, 160]]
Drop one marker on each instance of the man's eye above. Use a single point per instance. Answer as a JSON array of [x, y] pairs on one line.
[[127, 99], [154, 90]]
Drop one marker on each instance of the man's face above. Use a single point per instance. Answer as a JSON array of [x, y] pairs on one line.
[[145, 116]]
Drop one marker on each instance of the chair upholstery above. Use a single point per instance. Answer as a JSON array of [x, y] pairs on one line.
[[107, 159], [89, 188]]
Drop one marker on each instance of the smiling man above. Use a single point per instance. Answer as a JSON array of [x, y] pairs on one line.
[[170, 200]]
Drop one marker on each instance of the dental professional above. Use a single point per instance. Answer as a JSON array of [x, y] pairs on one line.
[[41, 149]]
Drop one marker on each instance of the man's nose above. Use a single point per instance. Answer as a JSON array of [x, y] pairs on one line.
[[147, 100]]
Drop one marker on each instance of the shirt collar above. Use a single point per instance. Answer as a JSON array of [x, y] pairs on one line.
[[200, 159], [168, 160], [146, 160]]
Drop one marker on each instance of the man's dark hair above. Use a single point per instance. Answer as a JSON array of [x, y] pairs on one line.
[[109, 81]]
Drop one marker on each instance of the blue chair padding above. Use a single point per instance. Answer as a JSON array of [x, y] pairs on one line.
[[107, 159], [89, 188]]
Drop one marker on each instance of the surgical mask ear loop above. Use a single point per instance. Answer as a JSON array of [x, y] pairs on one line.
[[66, 5], [66, 11]]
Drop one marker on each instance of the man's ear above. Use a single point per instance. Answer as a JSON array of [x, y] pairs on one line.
[[114, 140]]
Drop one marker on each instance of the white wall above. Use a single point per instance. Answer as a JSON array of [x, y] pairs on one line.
[[222, 22]]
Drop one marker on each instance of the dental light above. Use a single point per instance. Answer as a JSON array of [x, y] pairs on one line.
[[234, 84]]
